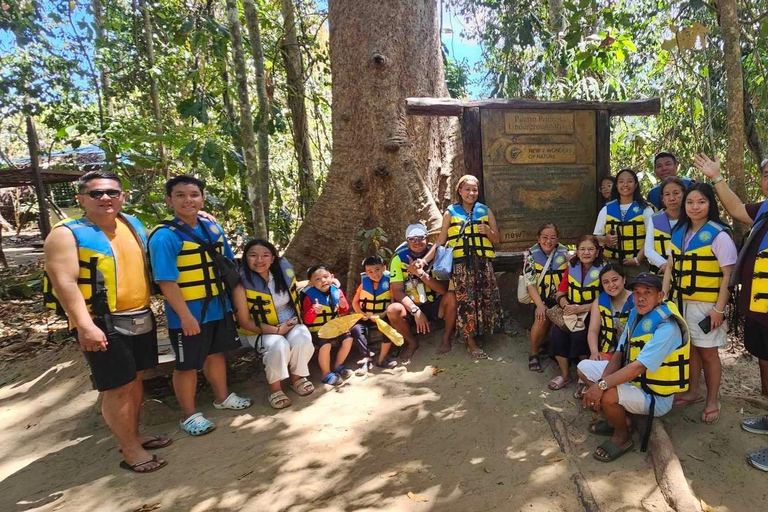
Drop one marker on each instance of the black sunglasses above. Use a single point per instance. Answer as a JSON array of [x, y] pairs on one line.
[[99, 193]]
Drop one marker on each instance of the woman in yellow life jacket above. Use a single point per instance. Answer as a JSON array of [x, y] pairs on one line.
[[620, 226], [609, 314], [702, 255], [658, 230], [551, 259], [267, 310], [578, 289], [469, 228]]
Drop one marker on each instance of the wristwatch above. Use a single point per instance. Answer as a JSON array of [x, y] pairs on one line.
[[602, 384], [415, 309]]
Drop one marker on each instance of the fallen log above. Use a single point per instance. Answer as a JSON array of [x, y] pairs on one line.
[[669, 471]]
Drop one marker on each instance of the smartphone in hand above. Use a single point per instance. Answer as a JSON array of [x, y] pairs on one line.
[[706, 324]]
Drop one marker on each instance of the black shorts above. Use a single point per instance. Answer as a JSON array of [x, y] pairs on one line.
[[334, 342], [430, 309], [214, 338], [756, 338], [125, 355]]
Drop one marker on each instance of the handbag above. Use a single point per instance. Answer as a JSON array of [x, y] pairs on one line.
[[443, 266], [555, 315], [575, 323], [523, 297]]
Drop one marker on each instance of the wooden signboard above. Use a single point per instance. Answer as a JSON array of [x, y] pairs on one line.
[[539, 166]]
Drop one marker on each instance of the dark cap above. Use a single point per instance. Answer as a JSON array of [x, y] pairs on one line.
[[647, 279], [664, 154]]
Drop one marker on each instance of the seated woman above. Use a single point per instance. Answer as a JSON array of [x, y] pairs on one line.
[[578, 289], [620, 226], [551, 259], [609, 314], [267, 311]]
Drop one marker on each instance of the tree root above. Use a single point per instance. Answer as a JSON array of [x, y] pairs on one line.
[[561, 435], [669, 472]]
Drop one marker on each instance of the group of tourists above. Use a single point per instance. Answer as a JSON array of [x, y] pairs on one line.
[[101, 269], [640, 307]]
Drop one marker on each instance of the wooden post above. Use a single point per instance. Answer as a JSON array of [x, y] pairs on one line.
[[472, 141], [603, 149], [37, 177]]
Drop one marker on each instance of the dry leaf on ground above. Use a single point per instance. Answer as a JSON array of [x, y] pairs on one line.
[[417, 498]]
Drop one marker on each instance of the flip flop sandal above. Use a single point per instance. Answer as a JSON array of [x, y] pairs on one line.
[[279, 400], [757, 425], [155, 443], [601, 428], [197, 425], [332, 379], [303, 387], [343, 372], [687, 401], [478, 354], [613, 451], [534, 364], [558, 383], [133, 467], [708, 413], [759, 459], [234, 402], [386, 363], [362, 370]]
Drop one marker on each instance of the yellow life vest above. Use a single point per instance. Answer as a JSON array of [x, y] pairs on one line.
[[555, 271], [758, 302], [374, 301], [260, 302], [583, 293], [662, 234], [696, 274], [197, 279], [468, 240], [629, 227], [673, 374], [609, 337], [329, 303], [97, 279]]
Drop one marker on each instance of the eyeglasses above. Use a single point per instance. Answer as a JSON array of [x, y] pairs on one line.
[[420, 238], [113, 193]]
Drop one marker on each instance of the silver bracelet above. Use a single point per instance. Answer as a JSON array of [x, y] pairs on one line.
[[717, 180]]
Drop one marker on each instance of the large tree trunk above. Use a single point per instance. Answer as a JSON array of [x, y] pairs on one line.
[[734, 93], [149, 50], [388, 170], [296, 93], [252, 22], [246, 123], [106, 82]]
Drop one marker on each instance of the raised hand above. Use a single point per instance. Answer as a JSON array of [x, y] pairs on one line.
[[708, 167]]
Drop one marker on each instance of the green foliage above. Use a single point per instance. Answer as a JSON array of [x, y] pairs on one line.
[[373, 242]]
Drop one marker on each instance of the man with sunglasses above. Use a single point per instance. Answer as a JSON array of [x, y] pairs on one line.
[[417, 296], [96, 274]]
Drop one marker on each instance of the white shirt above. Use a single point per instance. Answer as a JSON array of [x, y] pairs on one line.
[[653, 257], [601, 217], [283, 307]]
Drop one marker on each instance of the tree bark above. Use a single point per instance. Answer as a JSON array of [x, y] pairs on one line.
[[149, 51], [750, 128], [34, 152], [260, 228], [106, 82], [734, 93], [388, 169], [262, 118], [296, 102]]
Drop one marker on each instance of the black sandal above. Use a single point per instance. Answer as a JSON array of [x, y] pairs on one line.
[[134, 467], [534, 364]]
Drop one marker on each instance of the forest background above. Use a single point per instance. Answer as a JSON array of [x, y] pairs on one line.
[[264, 99]]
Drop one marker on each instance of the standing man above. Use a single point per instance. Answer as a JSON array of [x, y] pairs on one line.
[[664, 165], [751, 271], [96, 271], [197, 308], [417, 296]]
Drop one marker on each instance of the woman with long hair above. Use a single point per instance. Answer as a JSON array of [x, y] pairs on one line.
[[620, 226], [702, 255], [268, 313], [658, 230], [543, 267], [578, 289]]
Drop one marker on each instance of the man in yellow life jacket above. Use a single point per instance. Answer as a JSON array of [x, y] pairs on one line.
[[649, 366], [198, 310], [96, 273]]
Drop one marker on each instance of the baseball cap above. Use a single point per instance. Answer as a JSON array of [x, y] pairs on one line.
[[647, 279], [417, 229], [664, 154]]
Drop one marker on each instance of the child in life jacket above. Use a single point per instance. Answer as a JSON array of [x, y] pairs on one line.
[[372, 299], [323, 301]]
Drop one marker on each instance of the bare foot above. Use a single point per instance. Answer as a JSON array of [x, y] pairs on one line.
[[444, 347]]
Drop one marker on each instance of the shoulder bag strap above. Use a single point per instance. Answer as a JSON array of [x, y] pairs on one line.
[[546, 267]]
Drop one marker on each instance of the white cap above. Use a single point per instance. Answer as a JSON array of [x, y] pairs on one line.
[[416, 230]]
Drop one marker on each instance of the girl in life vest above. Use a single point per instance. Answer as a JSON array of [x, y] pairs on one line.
[[609, 314], [620, 226], [658, 230], [551, 259], [578, 289], [702, 255], [267, 311], [469, 229]]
